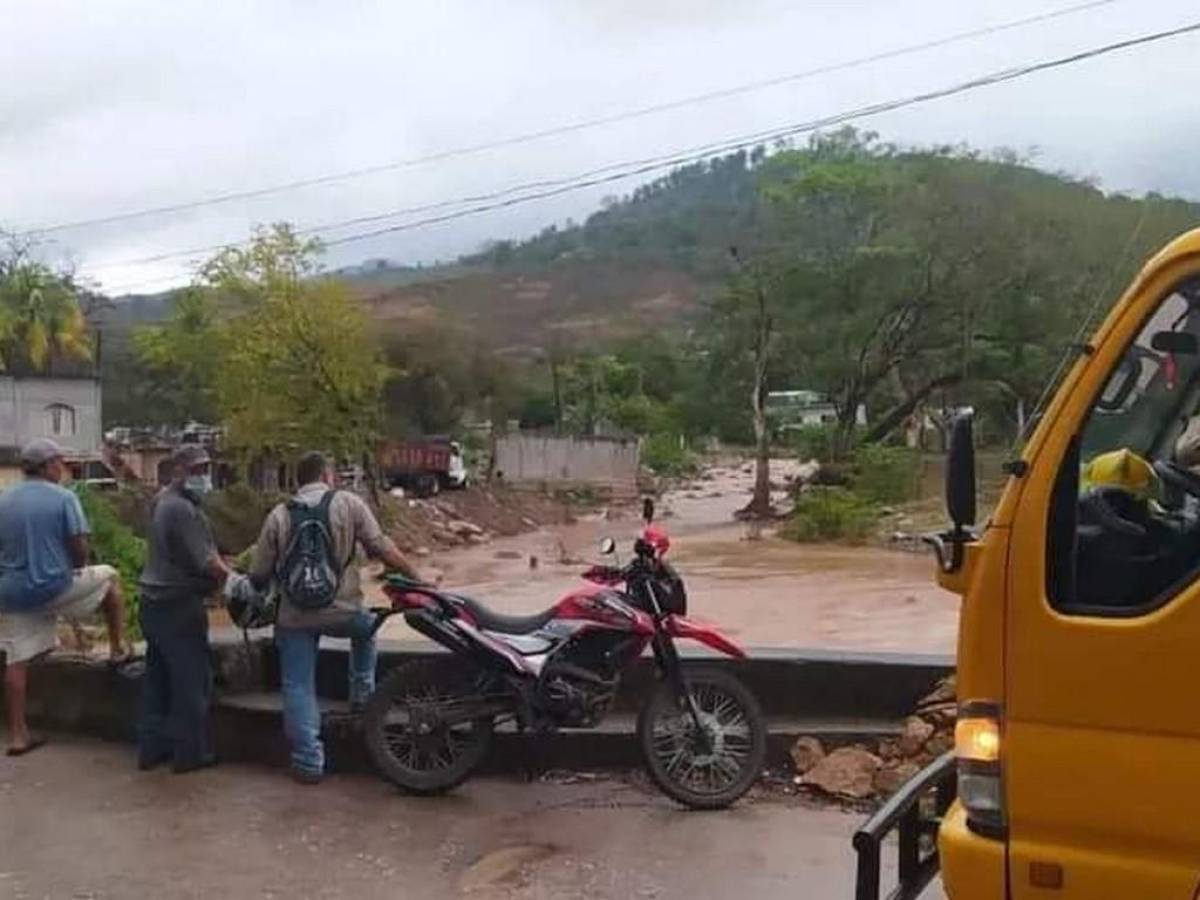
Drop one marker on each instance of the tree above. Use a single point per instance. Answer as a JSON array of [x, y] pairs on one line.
[[439, 374], [40, 315], [181, 360], [749, 316], [281, 353], [299, 368]]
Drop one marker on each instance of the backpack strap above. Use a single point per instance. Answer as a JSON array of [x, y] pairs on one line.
[[323, 506]]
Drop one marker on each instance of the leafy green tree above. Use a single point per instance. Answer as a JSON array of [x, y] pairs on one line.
[[299, 367], [182, 359], [440, 374], [40, 314], [282, 354]]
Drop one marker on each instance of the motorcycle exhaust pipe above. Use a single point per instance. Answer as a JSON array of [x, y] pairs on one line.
[[436, 629]]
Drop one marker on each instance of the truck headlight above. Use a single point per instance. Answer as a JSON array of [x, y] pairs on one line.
[[977, 746]]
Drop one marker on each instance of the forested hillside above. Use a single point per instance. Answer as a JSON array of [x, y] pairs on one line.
[[881, 275]]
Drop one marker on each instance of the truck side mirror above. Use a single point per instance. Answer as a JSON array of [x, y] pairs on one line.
[[960, 473], [1177, 343]]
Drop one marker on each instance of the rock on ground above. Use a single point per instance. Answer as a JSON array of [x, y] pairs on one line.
[[846, 772], [916, 732], [806, 753], [893, 774]]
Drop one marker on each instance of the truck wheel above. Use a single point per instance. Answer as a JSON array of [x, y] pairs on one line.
[[428, 485]]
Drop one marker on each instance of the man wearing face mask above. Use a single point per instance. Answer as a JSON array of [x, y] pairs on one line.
[[183, 569]]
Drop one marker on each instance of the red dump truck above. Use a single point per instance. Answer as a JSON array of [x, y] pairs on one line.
[[422, 465]]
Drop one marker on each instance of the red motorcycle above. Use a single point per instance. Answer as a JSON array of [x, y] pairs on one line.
[[429, 725]]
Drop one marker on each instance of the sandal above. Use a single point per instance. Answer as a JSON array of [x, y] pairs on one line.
[[34, 743], [125, 657]]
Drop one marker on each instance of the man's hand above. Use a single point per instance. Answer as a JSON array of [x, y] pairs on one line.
[[217, 569], [80, 549], [396, 561]]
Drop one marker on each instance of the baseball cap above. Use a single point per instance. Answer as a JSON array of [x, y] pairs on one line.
[[40, 451], [189, 456]]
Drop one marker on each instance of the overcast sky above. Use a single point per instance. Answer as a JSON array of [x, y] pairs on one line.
[[114, 106]]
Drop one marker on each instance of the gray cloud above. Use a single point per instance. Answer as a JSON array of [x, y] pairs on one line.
[[127, 104]]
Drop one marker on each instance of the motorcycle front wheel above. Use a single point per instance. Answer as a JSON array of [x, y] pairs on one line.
[[406, 735], [713, 771]]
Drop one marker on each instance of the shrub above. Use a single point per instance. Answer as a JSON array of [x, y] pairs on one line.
[[666, 454], [812, 442], [886, 474], [237, 515], [830, 514], [114, 543]]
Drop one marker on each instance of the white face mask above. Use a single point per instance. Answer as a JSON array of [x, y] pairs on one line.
[[199, 484]]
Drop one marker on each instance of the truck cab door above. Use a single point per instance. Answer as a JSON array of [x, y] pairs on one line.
[[1101, 739]]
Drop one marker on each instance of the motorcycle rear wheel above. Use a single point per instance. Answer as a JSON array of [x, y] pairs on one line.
[[407, 743], [682, 767]]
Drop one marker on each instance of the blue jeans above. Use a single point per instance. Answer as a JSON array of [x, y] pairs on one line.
[[298, 650]]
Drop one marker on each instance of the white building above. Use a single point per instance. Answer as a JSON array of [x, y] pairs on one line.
[[799, 409], [64, 407]]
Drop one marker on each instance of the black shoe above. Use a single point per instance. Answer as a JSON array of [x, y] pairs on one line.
[[307, 778], [149, 763], [182, 767]]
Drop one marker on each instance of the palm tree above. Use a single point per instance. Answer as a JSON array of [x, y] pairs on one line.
[[40, 316]]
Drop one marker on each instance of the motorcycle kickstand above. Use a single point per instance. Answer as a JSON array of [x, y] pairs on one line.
[[532, 766]]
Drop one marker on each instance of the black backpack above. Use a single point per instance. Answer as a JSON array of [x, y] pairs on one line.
[[309, 575]]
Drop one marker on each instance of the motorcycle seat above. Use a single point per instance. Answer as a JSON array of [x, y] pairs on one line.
[[490, 620]]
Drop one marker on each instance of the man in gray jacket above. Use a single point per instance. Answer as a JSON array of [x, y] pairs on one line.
[[347, 522], [183, 569]]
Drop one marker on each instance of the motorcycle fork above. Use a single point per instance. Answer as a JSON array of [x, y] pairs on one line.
[[668, 661]]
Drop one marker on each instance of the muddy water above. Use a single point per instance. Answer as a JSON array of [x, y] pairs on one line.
[[762, 590]]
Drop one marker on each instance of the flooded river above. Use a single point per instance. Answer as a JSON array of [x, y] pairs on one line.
[[764, 591]]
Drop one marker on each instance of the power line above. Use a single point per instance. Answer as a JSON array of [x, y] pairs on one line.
[[800, 128], [553, 187], [617, 172], [571, 127]]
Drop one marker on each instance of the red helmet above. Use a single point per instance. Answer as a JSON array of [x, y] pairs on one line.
[[657, 538]]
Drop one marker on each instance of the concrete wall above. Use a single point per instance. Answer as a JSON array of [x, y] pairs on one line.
[[65, 409], [534, 459], [145, 463]]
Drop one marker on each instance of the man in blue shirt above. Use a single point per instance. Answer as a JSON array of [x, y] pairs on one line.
[[44, 574]]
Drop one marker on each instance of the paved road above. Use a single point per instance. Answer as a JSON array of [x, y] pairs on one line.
[[78, 822]]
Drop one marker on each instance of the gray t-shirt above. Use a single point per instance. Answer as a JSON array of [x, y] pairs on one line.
[[180, 548]]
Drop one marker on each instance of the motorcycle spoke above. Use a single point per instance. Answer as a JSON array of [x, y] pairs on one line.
[[728, 767]]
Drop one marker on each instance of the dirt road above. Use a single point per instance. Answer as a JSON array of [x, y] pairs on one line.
[[78, 822], [765, 591]]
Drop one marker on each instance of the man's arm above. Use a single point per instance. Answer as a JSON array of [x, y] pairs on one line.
[[80, 548], [78, 532], [379, 546], [194, 543], [266, 552], [396, 561]]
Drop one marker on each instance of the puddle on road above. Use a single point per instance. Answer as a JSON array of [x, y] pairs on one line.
[[504, 867]]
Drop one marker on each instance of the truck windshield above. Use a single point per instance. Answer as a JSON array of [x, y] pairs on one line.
[[1147, 398]]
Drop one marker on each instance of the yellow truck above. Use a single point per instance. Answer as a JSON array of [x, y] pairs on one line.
[[1076, 768]]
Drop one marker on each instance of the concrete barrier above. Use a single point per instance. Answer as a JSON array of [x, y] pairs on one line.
[[839, 696]]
